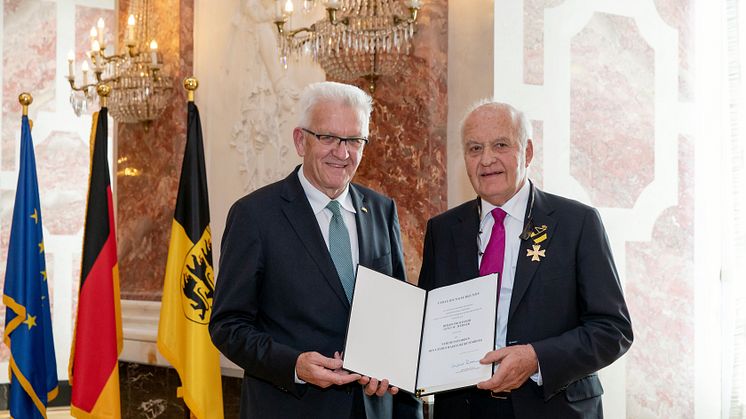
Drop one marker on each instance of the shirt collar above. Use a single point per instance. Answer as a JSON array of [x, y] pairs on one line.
[[515, 207], [319, 200]]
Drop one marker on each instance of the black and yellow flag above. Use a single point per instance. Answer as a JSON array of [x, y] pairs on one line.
[[189, 286]]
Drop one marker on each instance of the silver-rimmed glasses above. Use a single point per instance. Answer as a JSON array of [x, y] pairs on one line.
[[329, 140]]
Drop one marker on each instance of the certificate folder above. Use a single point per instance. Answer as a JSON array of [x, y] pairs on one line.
[[422, 342]]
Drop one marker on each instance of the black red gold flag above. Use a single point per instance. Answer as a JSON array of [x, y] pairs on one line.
[[94, 371]]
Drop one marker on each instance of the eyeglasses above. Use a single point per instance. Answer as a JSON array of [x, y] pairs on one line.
[[328, 140]]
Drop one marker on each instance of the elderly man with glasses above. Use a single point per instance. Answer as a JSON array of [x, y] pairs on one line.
[[287, 271]]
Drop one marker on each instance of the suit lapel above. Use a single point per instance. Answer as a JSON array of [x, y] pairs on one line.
[[465, 233], [364, 225], [526, 267], [300, 216]]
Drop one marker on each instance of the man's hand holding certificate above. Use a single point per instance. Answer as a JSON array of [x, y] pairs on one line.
[[421, 342]]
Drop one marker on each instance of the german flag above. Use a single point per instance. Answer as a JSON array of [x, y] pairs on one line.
[[189, 286], [94, 372]]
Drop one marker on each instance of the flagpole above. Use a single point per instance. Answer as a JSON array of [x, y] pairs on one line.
[[190, 84], [25, 99]]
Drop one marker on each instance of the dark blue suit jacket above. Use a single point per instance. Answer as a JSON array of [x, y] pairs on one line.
[[569, 305], [278, 294]]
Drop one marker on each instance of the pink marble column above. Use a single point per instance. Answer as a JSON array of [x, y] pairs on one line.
[[149, 160], [406, 158]]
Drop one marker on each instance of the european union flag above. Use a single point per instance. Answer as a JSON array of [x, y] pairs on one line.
[[28, 324]]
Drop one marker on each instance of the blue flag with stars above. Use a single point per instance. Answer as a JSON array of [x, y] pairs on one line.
[[28, 324]]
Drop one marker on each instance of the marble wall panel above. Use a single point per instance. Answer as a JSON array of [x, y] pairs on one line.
[[680, 15], [407, 155], [28, 65], [536, 170], [660, 286], [612, 111], [149, 160], [533, 38], [65, 158]]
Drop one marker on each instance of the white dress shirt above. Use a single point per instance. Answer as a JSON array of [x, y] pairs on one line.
[[319, 201], [514, 222]]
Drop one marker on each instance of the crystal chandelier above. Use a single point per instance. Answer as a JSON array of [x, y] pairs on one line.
[[139, 89], [359, 38]]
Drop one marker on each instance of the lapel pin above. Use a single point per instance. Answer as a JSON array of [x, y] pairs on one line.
[[536, 254], [539, 234], [364, 209]]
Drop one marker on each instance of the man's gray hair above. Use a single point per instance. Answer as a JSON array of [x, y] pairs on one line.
[[521, 122], [329, 91]]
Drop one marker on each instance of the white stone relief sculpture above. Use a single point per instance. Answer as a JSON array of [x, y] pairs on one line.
[[267, 98]]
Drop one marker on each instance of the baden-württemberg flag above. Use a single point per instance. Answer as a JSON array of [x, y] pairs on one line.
[[94, 371], [28, 324], [189, 285]]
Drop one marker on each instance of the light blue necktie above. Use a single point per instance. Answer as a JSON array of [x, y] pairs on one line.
[[340, 250]]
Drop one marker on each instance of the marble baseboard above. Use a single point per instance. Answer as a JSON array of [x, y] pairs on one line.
[[148, 383], [149, 391], [62, 399]]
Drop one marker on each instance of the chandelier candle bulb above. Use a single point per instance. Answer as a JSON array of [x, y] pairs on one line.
[[70, 65], [100, 25], [307, 6], [154, 53], [333, 4], [84, 67], [131, 30], [279, 10], [289, 8]]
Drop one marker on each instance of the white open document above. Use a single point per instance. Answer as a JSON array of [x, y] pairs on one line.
[[421, 342]]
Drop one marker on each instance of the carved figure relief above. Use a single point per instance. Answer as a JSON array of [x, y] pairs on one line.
[[267, 98]]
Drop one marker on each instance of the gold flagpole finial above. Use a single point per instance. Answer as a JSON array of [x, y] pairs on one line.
[[191, 84], [103, 91], [25, 99]]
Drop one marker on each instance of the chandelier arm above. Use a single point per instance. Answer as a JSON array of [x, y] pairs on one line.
[[311, 29], [292, 33], [85, 87], [333, 17], [412, 18], [113, 57], [100, 79], [79, 88]]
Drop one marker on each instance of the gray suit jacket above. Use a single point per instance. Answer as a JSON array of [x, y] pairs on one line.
[[278, 295]]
